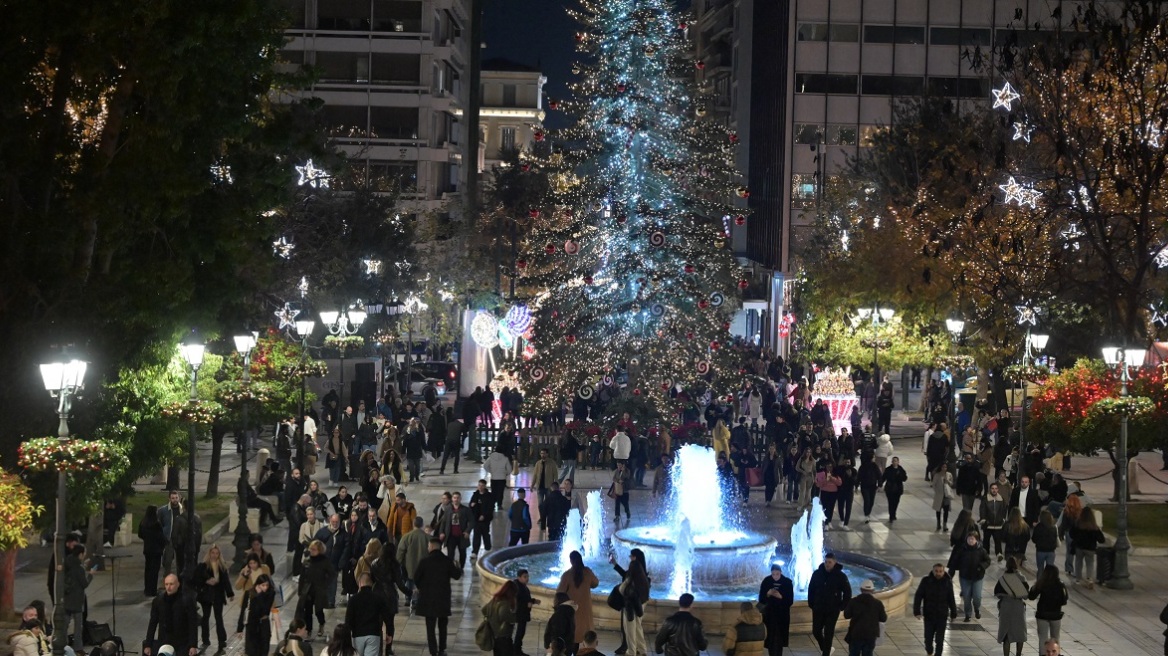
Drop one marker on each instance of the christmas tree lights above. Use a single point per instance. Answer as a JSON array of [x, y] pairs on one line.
[[630, 245]]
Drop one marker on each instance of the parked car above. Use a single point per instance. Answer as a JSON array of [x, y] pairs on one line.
[[419, 381], [446, 371]]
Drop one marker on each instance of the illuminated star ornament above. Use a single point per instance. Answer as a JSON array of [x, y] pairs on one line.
[[1026, 315], [283, 247], [372, 267], [287, 316], [1159, 317], [303, 286], [1022, 131], [1071, 234], [312, 176], [1153, 135], [1005, 97], [1081, 197], [1014, 191], [1162, 258]]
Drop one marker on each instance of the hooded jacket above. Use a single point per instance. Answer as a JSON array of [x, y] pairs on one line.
[[829, 590], [747, 637]]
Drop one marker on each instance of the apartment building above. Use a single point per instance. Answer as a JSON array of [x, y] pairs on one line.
[[806, 82], [512, 105], [394, 78]]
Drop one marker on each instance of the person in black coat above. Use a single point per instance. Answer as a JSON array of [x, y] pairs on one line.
[[523, 605], [893, 481], [173, 621], [432, 579], [1032, 503], [314, 585], [153, 544], [827, 594], [936, 603], [776, 594], [335, 539], [388, 579], [212, 590], [561, 625], [555, 510], [259, 628]]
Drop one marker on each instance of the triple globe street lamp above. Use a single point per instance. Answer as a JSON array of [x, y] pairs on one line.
[[192, 351], [242, 540], [343, 325], [1122, 360]]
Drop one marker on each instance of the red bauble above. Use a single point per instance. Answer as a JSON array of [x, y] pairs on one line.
[[682, 25], [703, 304], [715, 345], [700, 64], [538, 135], [533, 213], [689, 268], [621, 87], [555, 313], [740, 220], [621, 218], [553, 104], [522, 264], [664, 386], [571, 339], [525, 167], [581, 37], [587, 280], [743, 192], [743, 284], [637, 392], [549, 249], [726, 325], [733, 138], [689, 335], [730, 398]]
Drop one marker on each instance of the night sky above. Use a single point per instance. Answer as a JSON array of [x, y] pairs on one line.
[[536, 33]]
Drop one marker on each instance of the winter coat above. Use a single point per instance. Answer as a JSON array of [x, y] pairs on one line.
[[432, 577], [24, 643], [968, 478], [560, 626], [500, 616], [1086, 540], [387, 577], [411, 549], [544, 474], [969, 562], [866, 612], [465, 522], [778, 611], [681, 635], [883, 447], [173, 621], [582, 595], [935, 599], [1012, 592], [993, 512], [868, 476], [367, 612], [829, 590], [941, 490], [336, 546], [1016, 542], [893, 480], [314, 580], [212, 594], [747, 637], [498, 466], [1045, 538], [76, 580], [1050, 601], [153, 540], [621, 446]]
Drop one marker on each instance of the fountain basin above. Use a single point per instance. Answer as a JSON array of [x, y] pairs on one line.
[[716, 606], [722, 558]]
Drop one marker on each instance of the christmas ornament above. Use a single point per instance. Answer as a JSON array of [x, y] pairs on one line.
[[634, 361], [575, 69], [521, 264], [700, 111], [682, 25], [689, 335], [303, 286], [1026, 315], [667, 383], [703, 367], [725, 325], [312, 176], [555, 313], [657, 310], [537, 373], [581, 37], [607, 380], [715, 345], [636, 308], [717, 299], [703, 304], [538, 135], [518, 320], [550, 249], [620, 87], [533, 213], [1022, 131], [287, 316], [743, 284], [484, 330], [701, 65], [621, 218], [525, 167], [650, 50], [657, 238], [733, 137], [48, 453], [571, 339], [740, 220], [743, 192], [585, 391], [637, 392], [283, 248], [553, 104], [1005, 97], [689, 268], [587, 280], [571, 247]]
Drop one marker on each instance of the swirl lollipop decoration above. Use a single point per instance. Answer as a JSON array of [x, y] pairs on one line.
[[571, 247], [537, 373], [657, 239], [585, 392], [657, 310], [703, 367], [717, 299]]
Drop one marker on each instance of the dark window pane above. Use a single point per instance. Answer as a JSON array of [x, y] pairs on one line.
[[893, 85], [845, 33], [894, 34], [965, 87], [959, 36], [824, 83], [813, 32]]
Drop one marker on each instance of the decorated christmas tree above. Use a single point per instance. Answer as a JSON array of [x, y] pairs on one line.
[[627, 260]]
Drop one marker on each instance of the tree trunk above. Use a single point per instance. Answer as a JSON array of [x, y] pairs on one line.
[[983, 383], [7, 583], [217, 434]]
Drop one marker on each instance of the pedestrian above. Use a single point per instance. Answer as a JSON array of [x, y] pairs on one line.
[[172, 622], [748, 636], [968, 481], [294, 641], [681, 633], [868, 478], [1016, 535], [498, 468], [410, 551], [828, 484], [366, 616], [313, 586], [621, 446], [341, 643], [259, 626], [482, 508], [618, 491], [432, 576], [791, 475], [554, 511], [77, 576], [524, 602], [561, 626], [170, 516], [1025, 499], [893, 483], [569, 452], [1045, 537], [865, 614], [153, 545], [827, 594], [969, 562], [884, 406], [1052, 596], [634, 590], [776, 594], [1087, 537], [455, 528], [415, 447], [993, 513], [543, 479], [935, 603], [1163, 620], [805, 470], [772, 472], [401, 518], [212, 590], [942, 495], [883, 451], [297, 514], [499, 614], [1012, 592], [519, 519], [587, 647], [311, 526], [578, 581], [253, 569], [847, 489]]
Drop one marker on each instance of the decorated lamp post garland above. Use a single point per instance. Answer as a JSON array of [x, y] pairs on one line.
[[310, 369], [50, 454], [193, 411], [344, 342], [233, 394]]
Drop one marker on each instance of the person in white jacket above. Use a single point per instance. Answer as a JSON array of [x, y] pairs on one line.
[[883, 451], [621, 445], [498, 467]]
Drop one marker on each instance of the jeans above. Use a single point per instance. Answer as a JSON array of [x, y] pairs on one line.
[[823, 628], [934, 635], [1069, 565], [77, 621], [568, 470], [520, 632], [436, 634], [893, 504], [1042, 559], [862, 648], [332, 592], [845, 506], [482, 536], [994, 535], [1048, 630], [971, 595], [1085, 564], [335, 471], [869, 496], [414, 465], [790, 489], [369, 645], [220, 630]]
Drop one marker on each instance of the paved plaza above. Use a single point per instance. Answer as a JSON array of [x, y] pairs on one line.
[[1101, 621]]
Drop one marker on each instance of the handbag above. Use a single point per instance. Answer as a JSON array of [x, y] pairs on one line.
[[277, 627], [754, 476], [616, 600], [611, 493]]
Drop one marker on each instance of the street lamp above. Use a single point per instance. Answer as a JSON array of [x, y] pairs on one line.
[[63, 380], [243, 345], [411, 306], [1034, 343], [303, 329], [877, 316], [955, 327], [343, 325], [192, 352], [1122, 360]]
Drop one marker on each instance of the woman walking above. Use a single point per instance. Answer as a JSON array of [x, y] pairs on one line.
[[1012, 592], [578, 582], [212, 590], [791, 475], [336, 455], [341, 642], [1072, 510], [153, 544], [246, 583], [828, 484], [893, 483], [634, 591], [1087, 537], [869, 481], [962, 526], [806, 473], [499, 613], [1017, 536], [1052, 596], [259, 610], [772, 472], [314, 582], [969, 562], [942, 495], [1045, 536]]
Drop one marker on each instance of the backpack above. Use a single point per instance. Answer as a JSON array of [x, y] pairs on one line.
[[484, 636]]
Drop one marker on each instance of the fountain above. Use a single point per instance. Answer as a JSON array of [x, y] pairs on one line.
[[700, 544]]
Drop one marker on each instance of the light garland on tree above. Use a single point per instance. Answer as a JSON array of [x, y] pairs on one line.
[[234, 394], [283, 248], [308, 369], [51, 454], [193, 411]]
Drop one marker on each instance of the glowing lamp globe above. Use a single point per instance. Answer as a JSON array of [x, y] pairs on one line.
[[484, 330]]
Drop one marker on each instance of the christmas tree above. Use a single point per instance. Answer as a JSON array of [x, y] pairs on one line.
[[627, 258]]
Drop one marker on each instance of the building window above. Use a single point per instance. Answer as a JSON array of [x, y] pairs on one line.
[[842, 32], [825, 83], [806, 133], [507, 139], [906, 34], [959, 36], [893, 85], [1024, 38], [509, 95], [959, 87], [803, 189], [841, 135]]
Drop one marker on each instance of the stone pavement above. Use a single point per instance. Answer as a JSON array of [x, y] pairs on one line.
[[1097, 622]]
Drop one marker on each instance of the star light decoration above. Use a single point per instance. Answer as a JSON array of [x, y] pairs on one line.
[[1026, 315], [372, 267], [283, 247], [312, 176], [1005, 97], [287, 316], [1153, 135], [1020, 193], [1071, 235], [1022, 131], [1081, 197], [303, 286], [1159, 316], [1162, 257]]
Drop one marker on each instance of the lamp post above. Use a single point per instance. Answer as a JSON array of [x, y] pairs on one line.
[[409, 308], [63, 380], [878, 316], [192, 352], [955, 327], [303, 330], [243, 345], [343, 325], [1122, 359]]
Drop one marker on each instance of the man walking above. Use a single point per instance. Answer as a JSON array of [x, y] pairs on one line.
[[936, 604], [366, 615], [865, 613], [170, 516], [172, 621], [827, 594], [523, 605], [432, 578], [411, 549], [482, 506], [681, 633], [454, 529]]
